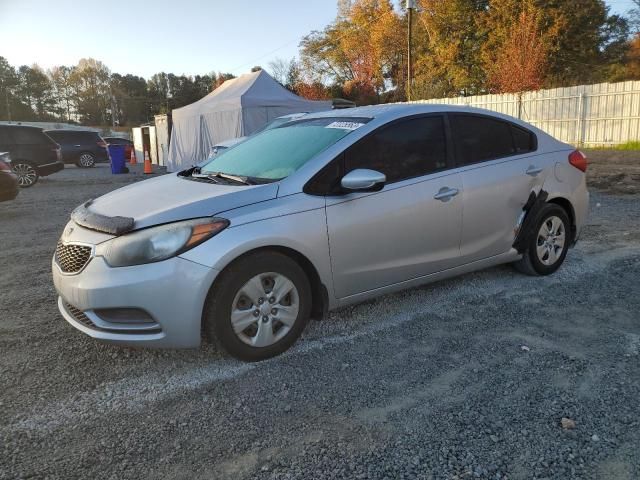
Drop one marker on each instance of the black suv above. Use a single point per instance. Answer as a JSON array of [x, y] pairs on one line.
[[32, 152], [82, 147]]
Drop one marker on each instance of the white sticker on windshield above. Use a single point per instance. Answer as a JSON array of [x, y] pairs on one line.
[[345, 125]]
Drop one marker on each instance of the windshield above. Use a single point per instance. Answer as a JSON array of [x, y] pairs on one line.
[[277, 122], [277, 153]]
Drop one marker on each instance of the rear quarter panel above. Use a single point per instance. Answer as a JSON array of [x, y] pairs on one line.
[[569, 183]]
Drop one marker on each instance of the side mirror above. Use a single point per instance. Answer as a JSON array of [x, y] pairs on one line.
[[363, 180]]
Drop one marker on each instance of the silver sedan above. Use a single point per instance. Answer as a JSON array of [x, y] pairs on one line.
[[325, 211]]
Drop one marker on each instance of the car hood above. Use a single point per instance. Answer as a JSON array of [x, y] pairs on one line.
[[171, 198]]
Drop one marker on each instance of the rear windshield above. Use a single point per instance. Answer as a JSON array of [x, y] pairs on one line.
[[25, 136], [277, 153]]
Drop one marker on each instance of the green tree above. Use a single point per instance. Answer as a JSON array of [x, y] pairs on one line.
[[587, 37], [36, 90], [8, 100], [62, 92], [90, 81], [131, 99], [447, 48]]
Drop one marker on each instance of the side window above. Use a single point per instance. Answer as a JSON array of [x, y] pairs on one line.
[[28, 136], [406, 149], [5, 136], [523, 140], [481, 138]]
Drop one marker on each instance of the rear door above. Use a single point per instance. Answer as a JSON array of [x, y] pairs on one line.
[[402, 232], [500, 167], [34, 146], [69, 148]]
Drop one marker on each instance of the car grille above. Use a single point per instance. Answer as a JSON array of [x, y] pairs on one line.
[[82, 318], [78, 315], [72, 258]]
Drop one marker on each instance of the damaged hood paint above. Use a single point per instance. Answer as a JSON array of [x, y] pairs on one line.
[[170, 198]]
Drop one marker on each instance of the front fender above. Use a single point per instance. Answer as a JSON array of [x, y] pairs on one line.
[[305, 232]]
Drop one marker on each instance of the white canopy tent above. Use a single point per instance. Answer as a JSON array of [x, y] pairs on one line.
[[238, 107]]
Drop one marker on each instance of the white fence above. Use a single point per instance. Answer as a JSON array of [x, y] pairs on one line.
[[587, 115]]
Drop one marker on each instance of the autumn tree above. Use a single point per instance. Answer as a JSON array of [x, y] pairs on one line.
[[632, 67], [518, 61], [360, 51]]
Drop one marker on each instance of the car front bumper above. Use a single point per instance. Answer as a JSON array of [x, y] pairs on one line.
[[154, 305], [50, 168]]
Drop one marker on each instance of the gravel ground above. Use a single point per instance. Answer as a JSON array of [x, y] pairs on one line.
[[467, 378]]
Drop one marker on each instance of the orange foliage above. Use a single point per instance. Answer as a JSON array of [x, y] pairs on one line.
[[312, 90], [521, 62]]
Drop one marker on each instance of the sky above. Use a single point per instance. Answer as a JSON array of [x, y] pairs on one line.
[[144, 37]]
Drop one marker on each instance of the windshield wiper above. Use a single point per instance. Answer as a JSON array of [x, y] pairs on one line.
[[193, 170], [234, 178]]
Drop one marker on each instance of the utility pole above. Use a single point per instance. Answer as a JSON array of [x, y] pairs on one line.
[[411, 5]]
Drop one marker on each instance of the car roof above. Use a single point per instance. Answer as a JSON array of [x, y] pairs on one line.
[[20, 126], [391, 111], [380, 114], [69, 130]]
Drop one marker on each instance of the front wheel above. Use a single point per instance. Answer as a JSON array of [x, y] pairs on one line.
[[27, 174], [86, 160], [258, 306], [547, 247]]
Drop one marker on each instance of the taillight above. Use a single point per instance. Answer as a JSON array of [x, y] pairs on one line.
[[578, 160], [4, 167]]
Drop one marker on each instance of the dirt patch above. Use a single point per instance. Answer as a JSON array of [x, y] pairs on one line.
[[614, 171]]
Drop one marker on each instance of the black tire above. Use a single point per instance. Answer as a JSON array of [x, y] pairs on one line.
[[217, 324], [86, 160], [530, 263], [27, 173]]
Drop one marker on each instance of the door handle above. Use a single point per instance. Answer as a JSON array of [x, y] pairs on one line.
[[445, 193], [77, 145], [533, 170]]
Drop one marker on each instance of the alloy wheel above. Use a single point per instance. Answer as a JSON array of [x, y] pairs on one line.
[[86, 160], [550, 241], [26, 174], [265, 309]]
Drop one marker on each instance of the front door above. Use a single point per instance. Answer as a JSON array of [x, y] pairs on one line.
[[408, 229]]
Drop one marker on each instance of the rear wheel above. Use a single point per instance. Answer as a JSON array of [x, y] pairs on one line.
[[548, 245], [86, 160], [259, 306], [27, 174]]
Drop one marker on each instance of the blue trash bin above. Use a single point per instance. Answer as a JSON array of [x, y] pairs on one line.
[[116, 155]]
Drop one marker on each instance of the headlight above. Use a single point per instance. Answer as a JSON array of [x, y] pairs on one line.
[[159, 243]]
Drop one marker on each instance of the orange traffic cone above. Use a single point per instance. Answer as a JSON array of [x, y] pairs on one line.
[[132, 160], [147, 163]]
